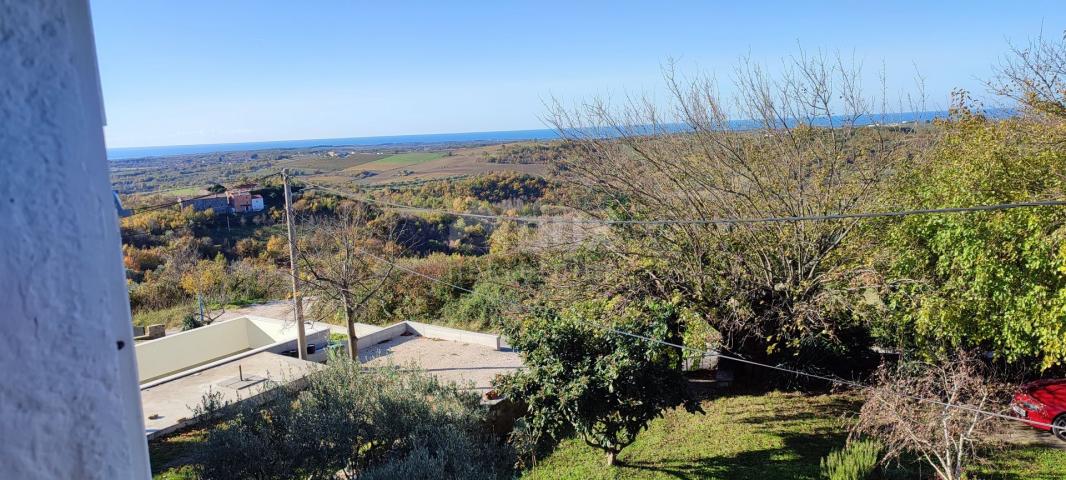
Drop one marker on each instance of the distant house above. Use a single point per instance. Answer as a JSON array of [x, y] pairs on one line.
[[240, 201], [244, 201], [237, 200], [219, 203]]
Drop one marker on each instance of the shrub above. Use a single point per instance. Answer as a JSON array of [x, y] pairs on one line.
[[856, 461], [190, 322], [905, 410], [580, 377], [367, 423]]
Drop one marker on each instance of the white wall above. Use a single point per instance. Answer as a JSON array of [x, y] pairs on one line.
[[190, 351], [69, 399], [177, 352]]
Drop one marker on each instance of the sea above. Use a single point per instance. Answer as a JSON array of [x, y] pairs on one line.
[[127, 153]]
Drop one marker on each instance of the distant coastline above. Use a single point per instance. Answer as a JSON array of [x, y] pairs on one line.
[[126, 153]]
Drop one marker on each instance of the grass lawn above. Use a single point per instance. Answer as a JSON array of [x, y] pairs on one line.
[[769, 436], [401, 160], [776, 435], [1037, 463]]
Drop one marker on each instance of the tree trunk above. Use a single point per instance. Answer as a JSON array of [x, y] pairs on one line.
[[611, 456], [349, 320]]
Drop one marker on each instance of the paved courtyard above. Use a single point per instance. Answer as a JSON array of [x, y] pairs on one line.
[[463, 363], [169, 405], [448, 360]]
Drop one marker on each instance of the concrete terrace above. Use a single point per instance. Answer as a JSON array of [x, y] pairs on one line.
[[470, 359], [450, 359], [465, 363], [168, 406]]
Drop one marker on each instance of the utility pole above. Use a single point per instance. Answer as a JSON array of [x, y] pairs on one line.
[[297, 301]]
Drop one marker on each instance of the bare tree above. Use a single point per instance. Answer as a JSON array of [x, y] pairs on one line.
[[1034, 75], [337, 258], [906, 412], [796, 144]]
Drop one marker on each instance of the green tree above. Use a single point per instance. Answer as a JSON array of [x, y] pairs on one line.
[[605, 387], [991, 280]]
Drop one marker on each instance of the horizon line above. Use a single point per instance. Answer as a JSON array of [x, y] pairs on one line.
[[395, 135]]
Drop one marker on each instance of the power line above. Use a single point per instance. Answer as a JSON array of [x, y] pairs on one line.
[[713, 221], [833, 380]]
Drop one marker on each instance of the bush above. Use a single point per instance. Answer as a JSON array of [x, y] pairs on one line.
[[856, 461], [580, 377], [366, 423], [190, 322]]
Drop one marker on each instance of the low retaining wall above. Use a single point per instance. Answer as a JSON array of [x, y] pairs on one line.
[[383, 335], [455, 335], [429, 331]]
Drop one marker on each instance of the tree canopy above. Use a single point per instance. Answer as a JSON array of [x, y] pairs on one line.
[[605, 387]]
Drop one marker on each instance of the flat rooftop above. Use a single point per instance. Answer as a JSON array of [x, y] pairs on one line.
[[470, 359], [467, 364], [169, 406]]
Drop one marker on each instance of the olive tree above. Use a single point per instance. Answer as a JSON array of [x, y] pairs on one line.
[[348, 421]]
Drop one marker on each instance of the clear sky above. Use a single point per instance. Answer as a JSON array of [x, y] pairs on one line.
[[191, 72]]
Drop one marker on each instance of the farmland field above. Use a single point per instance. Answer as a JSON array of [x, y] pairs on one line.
[[401, 160], [183, 191], [178, 176], [326, 163]]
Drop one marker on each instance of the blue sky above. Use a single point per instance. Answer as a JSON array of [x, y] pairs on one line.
[[192, 72]]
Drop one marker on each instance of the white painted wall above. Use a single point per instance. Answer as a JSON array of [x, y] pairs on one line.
[[178, 352], [69, 399], [242, 335]]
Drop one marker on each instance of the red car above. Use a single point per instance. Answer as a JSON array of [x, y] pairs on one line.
[[1043, 401]]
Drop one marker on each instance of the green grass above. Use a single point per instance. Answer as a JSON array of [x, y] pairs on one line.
[[171, 317], [172, 456], [401, 160], [1031, 462], [776, 435], [770, 436]]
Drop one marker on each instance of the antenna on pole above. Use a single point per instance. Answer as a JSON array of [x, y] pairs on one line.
[[297, 301]]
